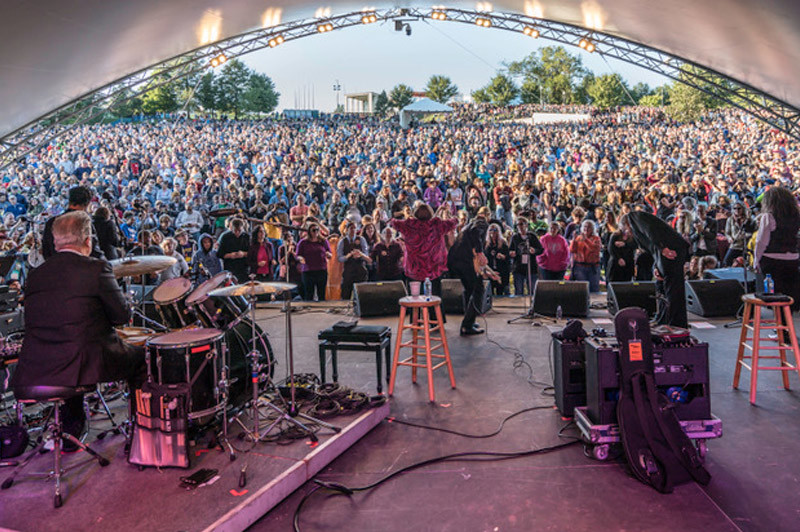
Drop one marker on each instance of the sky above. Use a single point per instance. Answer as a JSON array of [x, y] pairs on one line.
[[375, 57]]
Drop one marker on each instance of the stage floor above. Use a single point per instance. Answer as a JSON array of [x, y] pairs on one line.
[[755, 477]]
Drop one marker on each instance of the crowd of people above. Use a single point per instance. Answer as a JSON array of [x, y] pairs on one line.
[[342, 195]]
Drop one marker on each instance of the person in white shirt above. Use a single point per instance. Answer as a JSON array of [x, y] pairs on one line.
[[190, 220]]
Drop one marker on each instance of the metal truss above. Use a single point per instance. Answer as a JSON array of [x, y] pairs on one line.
[[92, 106]]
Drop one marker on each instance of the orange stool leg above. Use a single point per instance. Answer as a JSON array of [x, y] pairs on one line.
[[428, 359], [792, 337], [416, 322], [398, 342], [748, 309], [445, 347], [780, 319], [754, 360]]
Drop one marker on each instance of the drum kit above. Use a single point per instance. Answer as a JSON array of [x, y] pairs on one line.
[[208, 338]]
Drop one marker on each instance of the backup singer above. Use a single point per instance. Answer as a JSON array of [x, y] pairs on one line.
[[670, 251], [72, 302], [776, 241]]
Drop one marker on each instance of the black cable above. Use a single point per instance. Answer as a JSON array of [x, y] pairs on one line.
[[474, 436], [488, 456]]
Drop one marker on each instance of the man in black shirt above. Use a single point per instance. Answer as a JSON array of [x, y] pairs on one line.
[[79, 198], [233, 247], [466, 251]]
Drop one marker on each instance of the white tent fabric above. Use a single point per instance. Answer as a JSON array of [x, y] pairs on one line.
[[421, 106], [55, 51]]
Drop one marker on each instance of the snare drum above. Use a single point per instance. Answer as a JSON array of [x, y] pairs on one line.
[[170, 299], [136, 336], [218, 312], [192, 356]]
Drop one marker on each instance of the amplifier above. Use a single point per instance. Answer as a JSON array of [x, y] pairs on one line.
[[11, 322], [681, 364], [569, 375]]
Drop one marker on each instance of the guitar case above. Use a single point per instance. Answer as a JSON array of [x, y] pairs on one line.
[[658, 452]]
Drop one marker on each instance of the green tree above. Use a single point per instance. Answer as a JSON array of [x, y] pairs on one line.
[[260, 96], [481, 96], [607, 90], [231, 85], [160, 100], [206, 93], [640, 90], [530, 91], [555, 69], [686, 103], [651, 100], [400, 96], [382, 104], [125, 105], [440, 89], [501, 90]]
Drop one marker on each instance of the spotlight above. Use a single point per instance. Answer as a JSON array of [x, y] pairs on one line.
[[439, 15], [369, 18], [218, 60], [322, 28], [590, 47], [408, 30], [275, 41], [531, 32], [484, 22]]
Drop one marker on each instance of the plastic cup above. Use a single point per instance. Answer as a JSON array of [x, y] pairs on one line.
[[415, 287]]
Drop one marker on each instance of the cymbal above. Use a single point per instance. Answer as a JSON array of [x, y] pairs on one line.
[[252, 288], [130, 266]]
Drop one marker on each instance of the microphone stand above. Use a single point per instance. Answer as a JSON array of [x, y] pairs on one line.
[[529, 314]]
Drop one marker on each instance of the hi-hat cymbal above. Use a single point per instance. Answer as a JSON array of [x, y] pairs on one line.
[[130, 266], [252, 288]]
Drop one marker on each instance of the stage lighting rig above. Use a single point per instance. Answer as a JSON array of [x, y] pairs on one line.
[[218, 60], [587, 44], [483, 22], [369, 18], [531, 32], [275, 41], [438, 15], [322, 28]]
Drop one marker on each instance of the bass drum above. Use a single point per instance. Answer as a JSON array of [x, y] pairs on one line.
[[239, 341]]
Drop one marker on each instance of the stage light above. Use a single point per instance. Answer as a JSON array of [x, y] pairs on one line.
[[590, 47], [582, 43], [483, 22], [218, 60], [322, 28], [369, 18], [439, 15], [275, 41], [531, 32]]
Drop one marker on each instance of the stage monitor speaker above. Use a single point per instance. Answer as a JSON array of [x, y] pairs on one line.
[[572, 296], [378, 299], [12, 322], [714, 297], [640, 294], [453, 297], [753, 278]]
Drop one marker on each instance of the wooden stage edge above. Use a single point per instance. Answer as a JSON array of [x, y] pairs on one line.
[[263, 500]]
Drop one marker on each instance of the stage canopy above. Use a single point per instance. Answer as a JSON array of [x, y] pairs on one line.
[[55, 51]]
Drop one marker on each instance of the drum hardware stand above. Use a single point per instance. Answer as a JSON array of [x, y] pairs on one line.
[[116, 428], [222, 437]]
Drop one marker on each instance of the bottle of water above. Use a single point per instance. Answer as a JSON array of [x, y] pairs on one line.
[[769, 285], [559, 313], [427, 287]]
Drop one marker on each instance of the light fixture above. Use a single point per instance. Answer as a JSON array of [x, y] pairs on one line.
[[484, 22], [587, 44], [531, 32], [322, 28], [369, 18], [408, 30], [275, 41], [218, 60], [590, 47], [439, 15], [583, 43]]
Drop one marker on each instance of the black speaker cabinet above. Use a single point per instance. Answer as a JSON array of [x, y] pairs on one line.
[[453, 297], [569, 375], [754, 279], [11, 322], [682, 365], [572, 296], [640, 294], [378, 299], [714, 297]]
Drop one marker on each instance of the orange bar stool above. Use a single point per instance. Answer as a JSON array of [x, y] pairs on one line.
[[427, 336], [782, 325]]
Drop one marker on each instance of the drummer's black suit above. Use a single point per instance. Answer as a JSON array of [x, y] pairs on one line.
[[72, 303]]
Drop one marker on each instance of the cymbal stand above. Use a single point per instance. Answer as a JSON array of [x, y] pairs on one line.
[[223, 387]]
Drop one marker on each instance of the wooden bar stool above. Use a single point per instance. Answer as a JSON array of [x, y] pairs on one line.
[[782, 325], [422, 330]]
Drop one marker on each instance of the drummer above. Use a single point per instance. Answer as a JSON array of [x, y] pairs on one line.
[[72, 302]]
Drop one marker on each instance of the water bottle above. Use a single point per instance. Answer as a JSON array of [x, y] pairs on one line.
[[769, 285], [559, 313], [427, 287]]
